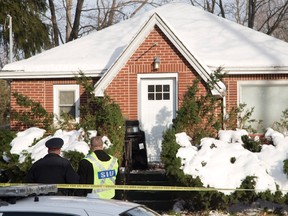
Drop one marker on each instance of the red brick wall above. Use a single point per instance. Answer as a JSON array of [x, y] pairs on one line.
[[123, 89], [38, 90]]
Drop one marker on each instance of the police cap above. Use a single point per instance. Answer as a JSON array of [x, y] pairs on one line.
[[54, 142]]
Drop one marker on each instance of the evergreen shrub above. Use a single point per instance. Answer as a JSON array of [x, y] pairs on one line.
[[232, 160], [11, 169], [5, 101], [266, 195], [240, 117], [282, 125], [285, 166], [248, 195], [31, 114], [196, 117], [74, 157], [276, 197], [103, 115], [250, 144]]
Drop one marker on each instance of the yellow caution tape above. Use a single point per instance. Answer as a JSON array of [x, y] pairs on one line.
[[137, 187], [134, 187]]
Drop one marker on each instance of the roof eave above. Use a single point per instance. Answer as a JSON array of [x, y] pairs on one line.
[[12, 75], [254, 70]]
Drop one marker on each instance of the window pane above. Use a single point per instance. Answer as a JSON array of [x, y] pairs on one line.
[[166, 88], [139, 211], [158, 96], [68, 109], [158, 88], [150, 88], [166, 96], [150, 96], [66, 97]]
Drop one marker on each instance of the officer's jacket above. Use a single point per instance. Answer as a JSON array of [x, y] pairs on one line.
[[105, 173], [52, 169]]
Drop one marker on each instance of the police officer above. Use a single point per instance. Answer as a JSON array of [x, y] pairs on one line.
[[98, 168], [53, 169]]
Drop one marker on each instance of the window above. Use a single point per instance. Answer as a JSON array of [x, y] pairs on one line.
[[269, 99], [66, 100], [139, 211], [158, 92]]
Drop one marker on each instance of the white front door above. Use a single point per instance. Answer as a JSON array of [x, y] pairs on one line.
[[157, 109]]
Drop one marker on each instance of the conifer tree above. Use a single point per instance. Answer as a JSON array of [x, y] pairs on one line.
[[4, 103], [30, 33]]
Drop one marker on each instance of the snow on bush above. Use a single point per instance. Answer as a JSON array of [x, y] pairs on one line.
[[212, 161], [73, 141]]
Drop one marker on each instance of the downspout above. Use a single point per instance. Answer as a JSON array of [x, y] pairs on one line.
[[225, 117]]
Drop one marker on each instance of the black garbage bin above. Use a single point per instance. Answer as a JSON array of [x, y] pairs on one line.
[[135, 146]]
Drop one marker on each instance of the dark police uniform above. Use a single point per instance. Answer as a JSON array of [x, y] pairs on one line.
[[53, 169]]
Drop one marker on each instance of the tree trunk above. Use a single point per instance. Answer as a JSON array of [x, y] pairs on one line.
[[221, 8], [75, 29], [68, 19], [54, 23], [251, 13]]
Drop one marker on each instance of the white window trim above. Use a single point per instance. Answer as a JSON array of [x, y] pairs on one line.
[[56, 90]]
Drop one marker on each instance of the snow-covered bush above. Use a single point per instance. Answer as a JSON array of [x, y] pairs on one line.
[[10, 168], [198, 118], [251, 144]]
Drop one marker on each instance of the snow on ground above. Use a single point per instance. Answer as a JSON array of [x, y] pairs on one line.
[[212, 161]]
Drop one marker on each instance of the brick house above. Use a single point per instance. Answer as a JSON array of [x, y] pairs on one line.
[[146, 63]]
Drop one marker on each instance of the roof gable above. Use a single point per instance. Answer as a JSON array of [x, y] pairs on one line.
[[156, 20]]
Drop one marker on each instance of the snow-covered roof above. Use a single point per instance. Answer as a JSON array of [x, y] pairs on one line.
[[213, 40]]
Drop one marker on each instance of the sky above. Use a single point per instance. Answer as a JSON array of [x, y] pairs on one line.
[[210, 160]]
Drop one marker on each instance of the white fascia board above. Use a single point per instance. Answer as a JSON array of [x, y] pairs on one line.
[[12, 75], [254, 70]]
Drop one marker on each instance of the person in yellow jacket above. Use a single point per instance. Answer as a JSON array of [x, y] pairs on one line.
[[98, 168]]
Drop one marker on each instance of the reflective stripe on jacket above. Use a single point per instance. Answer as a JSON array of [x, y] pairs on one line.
[[105, 173]]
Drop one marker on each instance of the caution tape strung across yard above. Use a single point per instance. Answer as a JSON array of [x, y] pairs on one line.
[[138, 187], [141, 187]]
